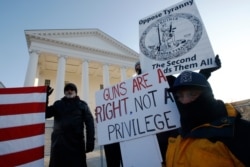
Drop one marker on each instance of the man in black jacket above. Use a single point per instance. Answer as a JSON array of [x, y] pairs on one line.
[[71, 117]]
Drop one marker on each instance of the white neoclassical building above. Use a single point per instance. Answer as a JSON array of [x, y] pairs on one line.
[[87, 57]]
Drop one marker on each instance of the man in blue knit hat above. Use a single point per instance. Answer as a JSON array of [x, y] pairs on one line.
[[212, 132]]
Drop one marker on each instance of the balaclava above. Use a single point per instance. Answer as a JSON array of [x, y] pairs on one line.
[[204, 109]]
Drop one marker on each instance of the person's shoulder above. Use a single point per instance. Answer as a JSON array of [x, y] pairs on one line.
[[57, 102], [83, 103]]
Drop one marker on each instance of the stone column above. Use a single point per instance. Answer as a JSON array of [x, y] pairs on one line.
[[60, 78], [36, 82], [85, 80], [123, 73], [106, 81], [32, 68]]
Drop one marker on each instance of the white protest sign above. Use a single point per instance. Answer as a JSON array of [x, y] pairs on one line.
[[175, 39], [143, 151], [134, 108]]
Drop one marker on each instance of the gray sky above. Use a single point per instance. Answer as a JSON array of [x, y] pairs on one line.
[[227, 23]]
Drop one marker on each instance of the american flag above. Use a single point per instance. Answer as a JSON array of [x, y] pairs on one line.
[[22, 126]]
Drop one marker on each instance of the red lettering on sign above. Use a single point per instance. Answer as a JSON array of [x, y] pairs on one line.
[[141, 82], [161, 76], [115, 91]]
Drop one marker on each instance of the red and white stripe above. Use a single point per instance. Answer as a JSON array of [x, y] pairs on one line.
[[22, 126]]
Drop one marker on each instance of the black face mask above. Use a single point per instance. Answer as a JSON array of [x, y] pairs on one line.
[[204, 109]]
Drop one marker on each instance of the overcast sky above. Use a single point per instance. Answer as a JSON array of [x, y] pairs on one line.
[[227, 23]]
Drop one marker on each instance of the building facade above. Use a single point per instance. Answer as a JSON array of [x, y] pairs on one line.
[[87, 57]]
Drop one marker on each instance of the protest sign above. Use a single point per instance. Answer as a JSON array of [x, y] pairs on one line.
[[134, 108], [135, 152], [175, 39]]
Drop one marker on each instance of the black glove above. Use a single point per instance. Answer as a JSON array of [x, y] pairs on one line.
[[90, 147], [217, 62], [49, 92], [207, 72]]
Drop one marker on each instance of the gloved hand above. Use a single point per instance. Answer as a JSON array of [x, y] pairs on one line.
[[218, 63], [90, 147], [207, 72], [49, 92]]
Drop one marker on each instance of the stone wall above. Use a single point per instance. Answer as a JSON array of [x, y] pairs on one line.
[[243, 107]]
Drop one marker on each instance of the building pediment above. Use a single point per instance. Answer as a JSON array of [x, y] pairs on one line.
[[76, 47], [93, 40]]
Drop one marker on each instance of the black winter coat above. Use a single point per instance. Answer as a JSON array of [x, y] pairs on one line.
[[67, 141]]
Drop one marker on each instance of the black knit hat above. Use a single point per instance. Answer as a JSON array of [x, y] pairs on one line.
[[190, 78], [137, 63], [70, 86]]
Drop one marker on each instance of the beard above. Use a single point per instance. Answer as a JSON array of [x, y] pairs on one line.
[[70, 95]]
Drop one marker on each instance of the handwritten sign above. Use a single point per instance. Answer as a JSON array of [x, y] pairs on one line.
[[175, 39], [137, 107]]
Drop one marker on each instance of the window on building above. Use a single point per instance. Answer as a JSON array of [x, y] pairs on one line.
[[101, 86], [47, 82]]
